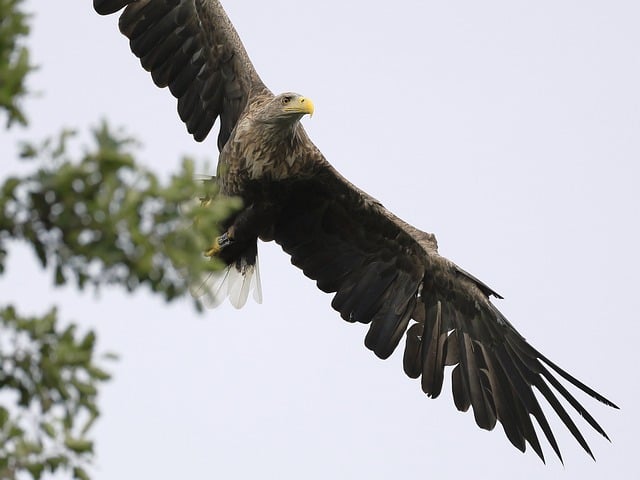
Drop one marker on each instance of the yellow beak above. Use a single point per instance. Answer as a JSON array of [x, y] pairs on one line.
[[300, 105]]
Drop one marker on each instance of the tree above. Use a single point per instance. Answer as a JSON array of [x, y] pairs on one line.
[[94, 220]]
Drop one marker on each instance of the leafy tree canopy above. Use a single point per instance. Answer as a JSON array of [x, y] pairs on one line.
[[93, 218]]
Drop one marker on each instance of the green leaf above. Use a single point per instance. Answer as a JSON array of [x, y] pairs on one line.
[[15, 432], [4, 416], [55, 462], [59, 275], [48, 429], [88, 341], [99, 374], [85, 389], [80, 474], [35, 469], [79, 445]]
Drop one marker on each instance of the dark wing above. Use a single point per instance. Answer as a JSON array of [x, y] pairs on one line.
[[191, 47], [388, 274]]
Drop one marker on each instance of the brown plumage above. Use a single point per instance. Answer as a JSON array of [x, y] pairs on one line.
[[383, 272]]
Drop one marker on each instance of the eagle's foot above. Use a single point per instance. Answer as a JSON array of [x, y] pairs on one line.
[[221, 242]]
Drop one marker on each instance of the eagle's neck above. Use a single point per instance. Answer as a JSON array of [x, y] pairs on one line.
[[279, 132]]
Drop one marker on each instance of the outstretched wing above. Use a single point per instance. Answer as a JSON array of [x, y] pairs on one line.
[[191, 47], [388, 274]]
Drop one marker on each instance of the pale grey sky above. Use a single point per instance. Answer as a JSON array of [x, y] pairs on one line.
[[509, 129]]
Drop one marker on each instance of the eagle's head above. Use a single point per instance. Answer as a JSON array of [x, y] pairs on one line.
[[285, 109]]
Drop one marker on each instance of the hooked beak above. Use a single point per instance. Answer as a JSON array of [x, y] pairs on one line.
[[301, 105]]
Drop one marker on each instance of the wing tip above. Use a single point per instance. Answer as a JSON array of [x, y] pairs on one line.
[[107, 7]]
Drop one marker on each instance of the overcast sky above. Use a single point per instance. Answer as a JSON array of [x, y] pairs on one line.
[[510, 129]]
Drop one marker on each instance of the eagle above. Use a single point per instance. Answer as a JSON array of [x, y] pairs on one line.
[[382, 271]]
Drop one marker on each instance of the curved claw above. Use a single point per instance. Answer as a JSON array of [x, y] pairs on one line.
[[220, 243]]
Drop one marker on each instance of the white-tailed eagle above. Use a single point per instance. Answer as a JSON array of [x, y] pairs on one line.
[[383, 271]]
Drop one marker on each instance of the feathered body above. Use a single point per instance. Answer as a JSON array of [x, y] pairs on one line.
[[383, 271]]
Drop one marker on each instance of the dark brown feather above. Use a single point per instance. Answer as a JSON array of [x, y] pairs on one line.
[[191, 47], [434, 351]]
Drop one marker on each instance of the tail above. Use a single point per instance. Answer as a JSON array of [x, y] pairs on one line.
[[241, 275], [236, 281]]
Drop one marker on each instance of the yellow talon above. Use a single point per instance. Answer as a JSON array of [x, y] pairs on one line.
[[214, 250], [222, 241]]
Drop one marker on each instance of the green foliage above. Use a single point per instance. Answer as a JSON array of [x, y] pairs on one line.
[[50, 381], [14, 60], [96, 220], [93, 217], [103, 219]]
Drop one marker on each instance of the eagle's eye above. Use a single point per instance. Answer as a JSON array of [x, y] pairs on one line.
[[285, 100]]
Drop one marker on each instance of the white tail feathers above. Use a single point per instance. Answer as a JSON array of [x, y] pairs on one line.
[[236, 282]]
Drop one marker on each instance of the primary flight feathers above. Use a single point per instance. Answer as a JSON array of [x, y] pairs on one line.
[[384, 272]]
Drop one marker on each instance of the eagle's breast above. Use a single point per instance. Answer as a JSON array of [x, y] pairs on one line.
[[264, 152]]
